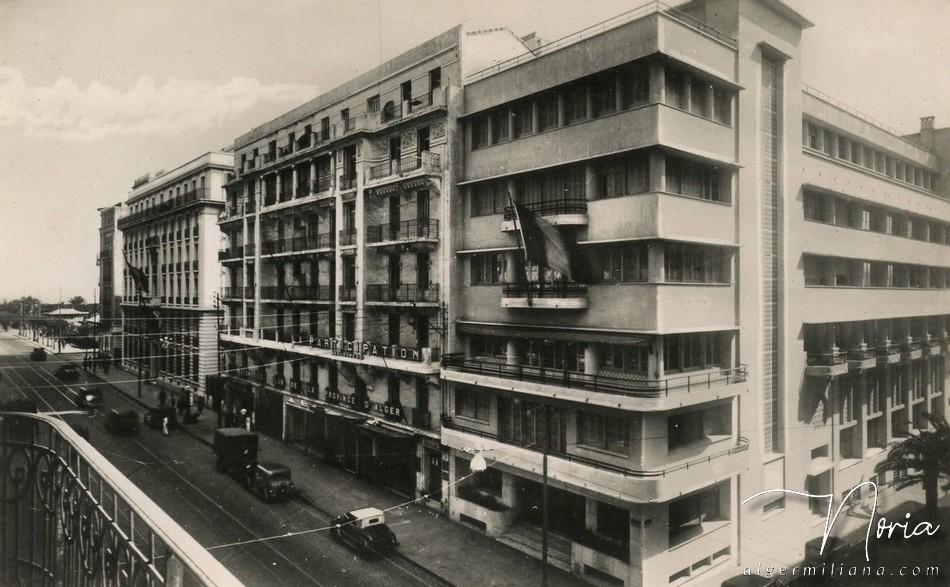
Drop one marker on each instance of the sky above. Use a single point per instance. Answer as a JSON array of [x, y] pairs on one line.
[[95, 93]]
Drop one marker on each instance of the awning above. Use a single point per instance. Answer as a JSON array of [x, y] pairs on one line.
[[552, 332], [386, 431], [344, 415]]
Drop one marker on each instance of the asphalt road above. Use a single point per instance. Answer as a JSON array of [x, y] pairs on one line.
[[177, 472]]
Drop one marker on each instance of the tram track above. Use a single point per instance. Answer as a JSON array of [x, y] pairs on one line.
[[150, 460]]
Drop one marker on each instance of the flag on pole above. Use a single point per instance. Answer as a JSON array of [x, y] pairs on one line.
[[138, 276], [543, 245]]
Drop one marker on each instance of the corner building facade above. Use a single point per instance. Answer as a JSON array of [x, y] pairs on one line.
[[335, 274], [750, 330], [169, 230]]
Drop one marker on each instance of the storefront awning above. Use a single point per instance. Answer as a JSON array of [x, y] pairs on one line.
[[532, 331], [386, 431], [347, 416]]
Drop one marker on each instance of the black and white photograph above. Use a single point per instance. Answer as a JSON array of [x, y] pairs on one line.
[[474, 293]]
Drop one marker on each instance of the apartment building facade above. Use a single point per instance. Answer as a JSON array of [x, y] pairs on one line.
[[111, 285], [770, 313], [170, 232]]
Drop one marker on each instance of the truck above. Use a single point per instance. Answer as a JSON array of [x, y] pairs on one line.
[[236, 450]]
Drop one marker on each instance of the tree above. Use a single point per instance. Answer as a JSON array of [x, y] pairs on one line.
[[77, 302], [923, 457]]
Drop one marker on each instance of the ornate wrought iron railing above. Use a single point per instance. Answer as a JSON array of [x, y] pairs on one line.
[[69, 517]]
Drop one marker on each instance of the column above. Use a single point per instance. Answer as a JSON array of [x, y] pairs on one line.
[[655, 359], [277, 186], [513, 357], [657, 171], [657, 83], [710, 101], [590, 182], [592, 359], [656, 272], [293, 180], [313, 176], [534, 116], [561, 106], [618, 91]]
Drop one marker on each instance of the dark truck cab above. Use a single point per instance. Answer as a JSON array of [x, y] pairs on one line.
[[236, 449]]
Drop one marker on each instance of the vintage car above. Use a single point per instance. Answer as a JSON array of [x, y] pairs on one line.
[[365, 531], [89, 398], [68, 372], [124, 422], [154, 416], [236, 449], [38, 354], [270, 481]]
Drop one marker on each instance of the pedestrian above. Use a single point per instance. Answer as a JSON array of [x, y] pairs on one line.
[[165, 425], [182, 406], [200, 404], [162, 397], [243, 420]]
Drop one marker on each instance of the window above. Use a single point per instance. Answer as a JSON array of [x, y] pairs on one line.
[[547, 105], [471, 403], [324, 128], [811, 136], [499, 125], [813, 204], [372, 103], [555, 354], [633, 359], [489, 269], [691, 427], [635, 86], [575, 103], [625, 176], [699, 98], [694, 263], [480, 131], [675, 89], [691, 178], [489, 198], [624, 263], [688, 514], [603, 95], [522, 113], [722, 106], [488, 347], [686, 352], [392, 390], [605, 432]]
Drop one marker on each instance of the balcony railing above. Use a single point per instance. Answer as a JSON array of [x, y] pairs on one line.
[[347, 183], [286, 192], [742, 444], [249, 250], [406, 230], [68, 517], [297, 244], [163, 207], [323, 183], [545, 290], [303, 293], [629, 385], [862, 354], [347, 294], [347, 237], [432, 162], [230, 253], [888, 348], [552, 207], [827, 359], [385, 292], [237, 292]]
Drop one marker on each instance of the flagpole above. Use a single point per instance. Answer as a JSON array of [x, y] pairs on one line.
[[524, 249]]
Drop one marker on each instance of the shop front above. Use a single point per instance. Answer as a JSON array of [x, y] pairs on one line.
[[270, 413], [394, 458], [236, 395], [305, 424]]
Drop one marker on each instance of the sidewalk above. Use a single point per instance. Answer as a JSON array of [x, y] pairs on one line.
[[460, 555]]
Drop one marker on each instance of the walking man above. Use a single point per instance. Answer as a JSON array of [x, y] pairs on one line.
[[165, 425]]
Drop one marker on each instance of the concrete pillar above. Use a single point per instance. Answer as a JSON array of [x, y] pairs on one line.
[[657, 171], [313, 175], [590, 182], [590, 514], [710, 101], [293, 171], [655, 360], [561, 109], [513, 357], [592, 359], [688, 93], [512, 187], [534, 116], [657, 82], [618, 92], [656, 272], [277, 186]]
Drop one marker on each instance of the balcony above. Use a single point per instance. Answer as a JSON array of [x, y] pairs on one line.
[[286, 192], [190, 197], [545, 296], [249, 250], [347, 294], [298, 293], [297, 244], [347, 183], [862, 358], [933, 346], [348, 237], [427, 163], [674, 390], [231, 254], [237, 293], [562, 212], [321, 185], [70, 517], [385, 293], [408, 231], [827, 364], [888, 353], [911, 349], [393, 112], [633, 484]]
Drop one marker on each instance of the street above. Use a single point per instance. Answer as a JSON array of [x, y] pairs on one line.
[[177, 472]]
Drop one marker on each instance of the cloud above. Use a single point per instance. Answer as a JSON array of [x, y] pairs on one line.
[[66, 111]]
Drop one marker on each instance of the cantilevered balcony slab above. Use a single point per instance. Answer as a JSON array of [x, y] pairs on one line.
[[547, 296]]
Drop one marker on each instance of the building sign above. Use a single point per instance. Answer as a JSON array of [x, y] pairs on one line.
[[301, 403], [348, 400], [358, 349], [387, 409]]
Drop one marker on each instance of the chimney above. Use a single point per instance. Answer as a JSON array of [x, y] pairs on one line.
[[927, 131]]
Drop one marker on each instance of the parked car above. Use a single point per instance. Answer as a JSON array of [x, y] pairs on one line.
[[89, 398], [124, 422], [38, 354], [270, 481], [365, 531], [68, 372]]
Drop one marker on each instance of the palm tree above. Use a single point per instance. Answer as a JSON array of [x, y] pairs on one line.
[[923, 457], [77, 302]]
